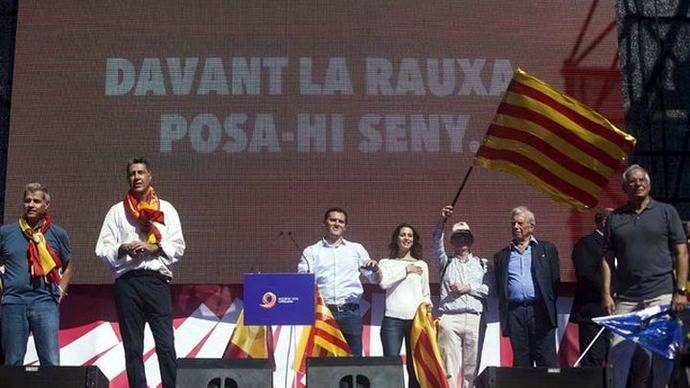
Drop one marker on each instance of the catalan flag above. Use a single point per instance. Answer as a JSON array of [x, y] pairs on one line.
[[426, 356], [323, 339], [250, 341], [553, 142]]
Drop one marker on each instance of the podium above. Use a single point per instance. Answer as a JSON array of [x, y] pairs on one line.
[[269, 299], [279, 299]]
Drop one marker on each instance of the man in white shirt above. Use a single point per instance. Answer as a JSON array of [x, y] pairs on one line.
[[337, 265], [140, 239]]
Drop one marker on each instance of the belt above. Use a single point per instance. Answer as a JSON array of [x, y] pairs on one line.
[[343, 307], [522, 303], [135, 273], [464, 312]]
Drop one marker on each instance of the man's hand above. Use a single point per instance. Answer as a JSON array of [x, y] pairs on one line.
[[679, 302], [62, 289], [371, 265], [411, 268], [446, 212], [458, 288], [607, 304], [137, 248]]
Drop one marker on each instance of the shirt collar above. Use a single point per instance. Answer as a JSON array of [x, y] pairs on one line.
[[627, 209], [470, 256], [325, 243], [532, 242]]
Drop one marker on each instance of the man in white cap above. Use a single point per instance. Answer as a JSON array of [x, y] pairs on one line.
[[463, 292]]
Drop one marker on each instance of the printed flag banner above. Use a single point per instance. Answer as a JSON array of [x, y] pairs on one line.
[[323, 339], [250, 341], [657, 329], [553, 142], [426, 356]]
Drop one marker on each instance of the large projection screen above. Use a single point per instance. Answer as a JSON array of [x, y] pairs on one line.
[[259, 115]]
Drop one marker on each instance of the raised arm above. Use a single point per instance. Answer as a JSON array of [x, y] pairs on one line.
[[438, 252]]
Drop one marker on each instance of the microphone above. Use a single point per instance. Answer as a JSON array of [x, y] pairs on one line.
[[289, 233]]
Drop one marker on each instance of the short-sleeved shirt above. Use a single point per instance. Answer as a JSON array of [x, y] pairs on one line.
[[643, 245], [20, 287]]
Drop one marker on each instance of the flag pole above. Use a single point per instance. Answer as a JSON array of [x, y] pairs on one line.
[[462, 186], [287, 359], [577, 363]]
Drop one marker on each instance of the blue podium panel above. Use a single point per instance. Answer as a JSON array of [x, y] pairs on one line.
[[278, 299]]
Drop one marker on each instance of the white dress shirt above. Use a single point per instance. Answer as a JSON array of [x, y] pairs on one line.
[[337, 270], [120, 228]]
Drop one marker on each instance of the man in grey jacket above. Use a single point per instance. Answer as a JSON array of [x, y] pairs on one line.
[[463, 291]]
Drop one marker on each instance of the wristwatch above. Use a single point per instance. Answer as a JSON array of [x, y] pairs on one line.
[[681, 291]]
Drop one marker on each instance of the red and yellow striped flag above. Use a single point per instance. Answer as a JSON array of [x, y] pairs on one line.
[[426, 356], [250, 341], [553, 142], [324, 339]]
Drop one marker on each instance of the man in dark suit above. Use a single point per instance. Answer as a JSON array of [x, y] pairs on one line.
[[587, 304], [527, 279]]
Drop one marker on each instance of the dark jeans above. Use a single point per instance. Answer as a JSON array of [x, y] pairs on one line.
[[40, 318], [531, 336], [350, 323], [596, 355], [141, 297], [393, 331]]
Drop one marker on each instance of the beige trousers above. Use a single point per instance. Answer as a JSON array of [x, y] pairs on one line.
[[458, 339]]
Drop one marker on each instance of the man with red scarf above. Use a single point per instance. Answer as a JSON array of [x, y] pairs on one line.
[[140, 239], [36, 254]]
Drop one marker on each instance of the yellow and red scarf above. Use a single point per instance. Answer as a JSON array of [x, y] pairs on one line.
[[43, 261], [146, 212]]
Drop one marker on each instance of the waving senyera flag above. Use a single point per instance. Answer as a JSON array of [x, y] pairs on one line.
[[426, 356], [553, 142], [657, 329]]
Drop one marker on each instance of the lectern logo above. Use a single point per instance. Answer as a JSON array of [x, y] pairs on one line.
[[269, 300]]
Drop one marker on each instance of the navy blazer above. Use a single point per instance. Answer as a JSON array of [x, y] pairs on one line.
[[545, 270]]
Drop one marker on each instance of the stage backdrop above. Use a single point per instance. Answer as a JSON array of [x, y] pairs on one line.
[[204, 317], [259, 115]]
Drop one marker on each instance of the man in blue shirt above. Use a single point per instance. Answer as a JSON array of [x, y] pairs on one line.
[[337, 265], [527, 279], [36, 254]]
